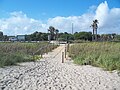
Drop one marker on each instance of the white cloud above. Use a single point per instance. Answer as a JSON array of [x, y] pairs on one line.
[[102, 13], [19, 23], [65, 23], [109, 21]]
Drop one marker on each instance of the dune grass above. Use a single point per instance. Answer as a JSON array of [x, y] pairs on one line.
[[100, 54], [12, 53]]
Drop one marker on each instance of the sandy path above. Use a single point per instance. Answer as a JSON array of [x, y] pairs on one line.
[[50, 74]]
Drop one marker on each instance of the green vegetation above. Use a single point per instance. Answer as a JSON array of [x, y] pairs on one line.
[[83, 36], [101, 54], [54, 34], [12, 53]]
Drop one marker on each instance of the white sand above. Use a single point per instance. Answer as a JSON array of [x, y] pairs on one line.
[[50, 74]]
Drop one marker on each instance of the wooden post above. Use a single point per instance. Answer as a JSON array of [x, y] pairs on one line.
[[67, 47], [62, 57], [50, 47], [41, 55], [65, 51], [33, 57], [53, 46], [96, 35], [41, 52], [47, 49]]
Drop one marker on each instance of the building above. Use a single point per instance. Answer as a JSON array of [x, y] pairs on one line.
[[12, 38], [17, 38], [20, 37]]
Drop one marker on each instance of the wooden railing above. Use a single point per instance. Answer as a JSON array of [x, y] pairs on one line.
[[44, 49]]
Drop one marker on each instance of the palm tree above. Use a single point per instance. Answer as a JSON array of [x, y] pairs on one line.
[[56, 33], [94, 26], [52, 30]]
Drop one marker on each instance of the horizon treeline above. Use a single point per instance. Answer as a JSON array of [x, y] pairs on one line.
[[64, 36]]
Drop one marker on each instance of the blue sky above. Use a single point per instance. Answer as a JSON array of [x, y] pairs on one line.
[[44, 9], [48, 12]]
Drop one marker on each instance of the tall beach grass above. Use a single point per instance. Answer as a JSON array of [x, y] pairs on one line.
[[12, 53], [100, 54]]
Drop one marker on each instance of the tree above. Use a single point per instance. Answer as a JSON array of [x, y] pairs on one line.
[[118, 37], [94, 26], [113, 35], [66, 36], [44, 36], [5, 38], [52, 32], [27, 37], [33, 36], [56, 34], [39, 36], [1, 36], [83, 36], [76, 35]]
